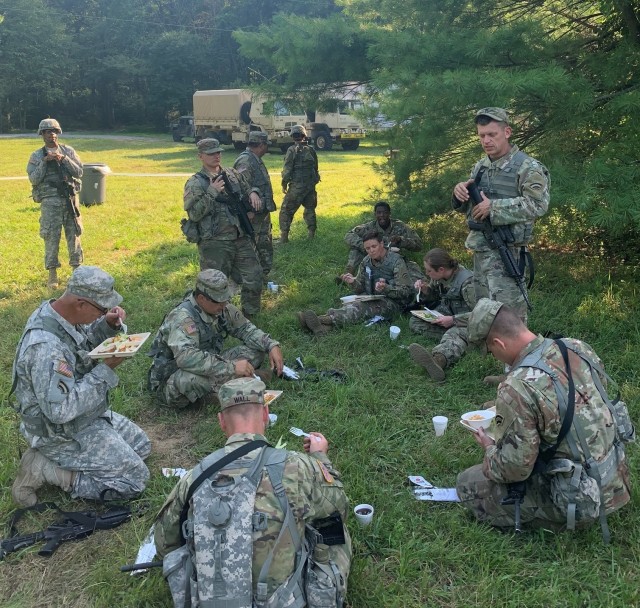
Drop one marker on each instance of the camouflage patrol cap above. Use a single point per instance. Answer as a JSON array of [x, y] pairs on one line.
[[298, 129], [258, 137], [49, 123], [240, 391], [209, 146], [498, 114], [95, 284], [481, 319], [214, 284]]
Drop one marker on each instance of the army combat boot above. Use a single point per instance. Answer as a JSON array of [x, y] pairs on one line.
[[52, 283], [284, 236], [311, 233], [36, 470], [434, 364], [320, 325]]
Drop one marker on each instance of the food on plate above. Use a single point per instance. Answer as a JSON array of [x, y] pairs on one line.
[[476, 417]]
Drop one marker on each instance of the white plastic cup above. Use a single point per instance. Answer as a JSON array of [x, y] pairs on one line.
[[273, 418], [275, 287], [270, 285], [440, 425], [394, 332], [363, 513]]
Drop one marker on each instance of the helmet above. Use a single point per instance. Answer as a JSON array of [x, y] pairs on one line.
[[298, 129], [49, 123]]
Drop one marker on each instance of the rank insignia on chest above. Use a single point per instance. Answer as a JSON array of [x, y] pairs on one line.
[[325, 473], [63, 368]]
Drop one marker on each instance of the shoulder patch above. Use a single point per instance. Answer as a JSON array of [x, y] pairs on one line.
[[63, 368], [190, 327], [325, 473]]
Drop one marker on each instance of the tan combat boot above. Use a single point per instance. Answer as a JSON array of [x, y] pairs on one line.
[[36, 470], [320, 325], [52, 283], [434, 364], [284, 236]]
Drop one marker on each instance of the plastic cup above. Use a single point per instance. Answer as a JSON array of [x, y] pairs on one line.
[[394, 332], [363, 513], [270, 285], [273, 418], [440, 425], [275, 287]]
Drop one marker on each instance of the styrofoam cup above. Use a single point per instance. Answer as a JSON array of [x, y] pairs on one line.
[[440, 425], [394, 332], [275, 287], [363, 513]]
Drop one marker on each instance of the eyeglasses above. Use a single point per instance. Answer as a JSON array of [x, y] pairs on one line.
[[102, 310], [49, 131]]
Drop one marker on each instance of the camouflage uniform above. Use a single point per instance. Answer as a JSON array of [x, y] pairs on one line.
[[223, 245], [410, 241], [518, 187], [189, 360], [255, 172], [397, 292], [527, 419], [56, 212], [457, 299], [299, 178], [63, 404]]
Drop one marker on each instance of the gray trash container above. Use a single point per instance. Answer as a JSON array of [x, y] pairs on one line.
[[94, 184]]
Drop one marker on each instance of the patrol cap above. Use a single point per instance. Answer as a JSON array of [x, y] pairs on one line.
[[481, 319], [95, 284], [298, 129], [209, 146], [214, 284], [49, 123], [258, 137], [240, 391], [498, 114]]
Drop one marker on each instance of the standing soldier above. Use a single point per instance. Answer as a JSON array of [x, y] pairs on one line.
[[54, 172], [299, 178], [251, 166]]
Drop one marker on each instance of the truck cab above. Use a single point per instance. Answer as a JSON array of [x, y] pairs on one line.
[[183, 127]]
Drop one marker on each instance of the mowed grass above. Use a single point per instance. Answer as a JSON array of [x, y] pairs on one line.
[[378, 421]]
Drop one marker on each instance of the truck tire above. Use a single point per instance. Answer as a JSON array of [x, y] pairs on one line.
[[323, 141], [351, 144], [245, 112], [239, 145], [176, 137]]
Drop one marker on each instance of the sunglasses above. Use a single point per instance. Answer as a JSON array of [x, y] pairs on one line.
[[102, 310]]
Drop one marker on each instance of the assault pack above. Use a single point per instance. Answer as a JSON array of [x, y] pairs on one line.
[[213, 568]]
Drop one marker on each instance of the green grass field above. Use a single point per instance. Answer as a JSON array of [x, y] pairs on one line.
[[378, 422]]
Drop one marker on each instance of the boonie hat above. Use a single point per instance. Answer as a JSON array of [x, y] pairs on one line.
[[95, 284], [258, 137], [214, 284], [481, 319], [209, 146], [240, 391], [498, 114]]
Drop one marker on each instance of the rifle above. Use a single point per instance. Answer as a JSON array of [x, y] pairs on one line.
[[515, 496], [239, 206], [499, 237]]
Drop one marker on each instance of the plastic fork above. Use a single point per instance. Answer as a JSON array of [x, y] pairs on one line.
[[300, 433]]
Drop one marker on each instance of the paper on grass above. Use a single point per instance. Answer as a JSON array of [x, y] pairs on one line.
[[146, 552], [437, 494]]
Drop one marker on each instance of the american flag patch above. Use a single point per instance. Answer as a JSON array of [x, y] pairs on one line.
[[63, 368], [190, 328]]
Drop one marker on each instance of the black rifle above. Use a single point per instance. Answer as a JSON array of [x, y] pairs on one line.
[[73, 526], [499, 237], [515, 496], [140, 566], [240, 205], [67, 191]]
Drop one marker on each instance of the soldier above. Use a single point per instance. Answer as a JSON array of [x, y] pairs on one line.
[[75, 441], [224, 242], [54, 172], [189, 362], [452, 287], [397, 236], [299, 178], [251, 166], [549, 382], [310, 490], [382, 273], [515, 192]]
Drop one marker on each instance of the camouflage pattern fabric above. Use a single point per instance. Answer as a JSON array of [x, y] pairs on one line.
[[55, 212], [62, 398], [201, 372], [527, 417], [299, 177], [410, 241], [314, 491]]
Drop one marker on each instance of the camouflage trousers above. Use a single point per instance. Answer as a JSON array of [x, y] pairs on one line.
[[108, 455], [353, 313], [353, 261], [490, 280], [264, 241], [231, 256], [483, 497], [298, 195], [55, 214], [452, 343], [183, 388]]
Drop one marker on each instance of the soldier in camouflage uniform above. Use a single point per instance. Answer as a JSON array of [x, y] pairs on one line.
[[312, 485], [54, 172], [299, 178], [222, 243], [515, 192], [397, 236], [381, 273], [451, 285], [252, 167], [75, 441], [528, 420], [189, 362]]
